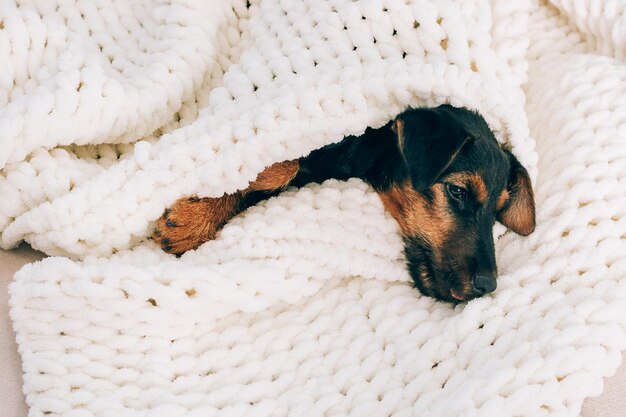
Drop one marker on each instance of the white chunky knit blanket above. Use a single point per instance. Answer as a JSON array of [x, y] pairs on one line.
[[110, 110]]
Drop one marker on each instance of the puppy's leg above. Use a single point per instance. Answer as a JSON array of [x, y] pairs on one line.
[[192, 221]]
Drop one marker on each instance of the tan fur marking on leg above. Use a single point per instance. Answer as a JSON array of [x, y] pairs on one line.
[[191, 221], [275, 177]]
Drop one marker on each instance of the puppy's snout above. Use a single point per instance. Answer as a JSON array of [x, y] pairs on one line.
[[484, 284]]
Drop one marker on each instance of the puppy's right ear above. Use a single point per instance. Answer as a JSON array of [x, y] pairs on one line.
[[429, 140], [518, 211]]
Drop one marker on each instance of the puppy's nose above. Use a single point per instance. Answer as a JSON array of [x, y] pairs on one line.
[[484, 284]]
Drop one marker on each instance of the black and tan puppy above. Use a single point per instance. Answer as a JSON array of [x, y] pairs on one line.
[[439, 172]]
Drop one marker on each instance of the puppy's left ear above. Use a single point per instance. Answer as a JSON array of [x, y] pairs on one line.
[[429, 140], [518, 211]]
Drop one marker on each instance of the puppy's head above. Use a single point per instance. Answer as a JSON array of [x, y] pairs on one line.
[[459, 182]]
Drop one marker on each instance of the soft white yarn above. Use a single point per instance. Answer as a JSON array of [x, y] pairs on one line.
[[314, 80], [302, 307]]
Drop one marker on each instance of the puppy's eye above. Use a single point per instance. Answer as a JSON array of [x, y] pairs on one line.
[[456, 192]]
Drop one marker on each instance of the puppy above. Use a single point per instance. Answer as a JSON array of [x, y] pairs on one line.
[[440, 174]]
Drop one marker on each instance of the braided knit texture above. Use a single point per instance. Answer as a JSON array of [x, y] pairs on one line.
[[111, 110]]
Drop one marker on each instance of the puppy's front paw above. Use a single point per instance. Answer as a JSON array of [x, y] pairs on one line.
[[192, 221]]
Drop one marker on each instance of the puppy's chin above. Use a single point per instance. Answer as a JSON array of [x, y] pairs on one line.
[[420, 262], [429, 281], [432, 287], [450, 294], [442, 291]]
